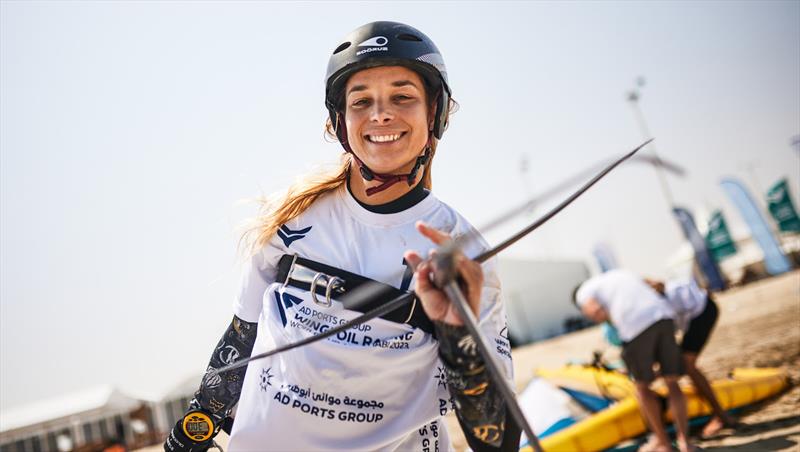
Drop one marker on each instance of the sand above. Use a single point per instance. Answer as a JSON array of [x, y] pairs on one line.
[[759, 326]]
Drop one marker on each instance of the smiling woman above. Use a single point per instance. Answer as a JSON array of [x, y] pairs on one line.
[[386, 384]]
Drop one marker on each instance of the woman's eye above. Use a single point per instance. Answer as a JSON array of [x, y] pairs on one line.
[[360, 102], [402, 97]]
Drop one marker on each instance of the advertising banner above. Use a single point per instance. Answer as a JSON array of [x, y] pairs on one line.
[[781, 208], [774, 259], [718, 238], [703, 258]]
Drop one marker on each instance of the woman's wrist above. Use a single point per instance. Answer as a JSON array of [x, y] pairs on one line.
[[459, 353]]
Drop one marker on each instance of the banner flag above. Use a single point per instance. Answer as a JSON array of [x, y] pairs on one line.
[[703, 258], [781, 208], [774, 259], [605, 257], [718, 238]]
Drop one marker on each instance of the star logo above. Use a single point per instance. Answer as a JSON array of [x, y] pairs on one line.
[[265, 378], [441, 378]]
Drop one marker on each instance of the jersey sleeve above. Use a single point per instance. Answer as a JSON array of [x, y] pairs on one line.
[[257, 275], [492, 321]]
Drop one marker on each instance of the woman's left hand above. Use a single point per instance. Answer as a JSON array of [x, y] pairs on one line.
[[436, 304]]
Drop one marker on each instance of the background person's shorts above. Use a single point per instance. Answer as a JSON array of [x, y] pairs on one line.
[[700, 328], [656, 344]]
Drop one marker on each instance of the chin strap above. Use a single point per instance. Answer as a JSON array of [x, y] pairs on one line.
[[387, 179], [390, 179]]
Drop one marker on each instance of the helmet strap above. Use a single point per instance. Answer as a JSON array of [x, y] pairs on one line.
[[387, 180]]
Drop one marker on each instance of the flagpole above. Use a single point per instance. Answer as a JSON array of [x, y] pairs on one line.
[[633, 97]]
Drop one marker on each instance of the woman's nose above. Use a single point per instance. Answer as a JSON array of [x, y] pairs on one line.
[[381, 113]]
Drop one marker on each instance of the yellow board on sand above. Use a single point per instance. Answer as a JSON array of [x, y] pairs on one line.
[[591, 380], [623, 420]]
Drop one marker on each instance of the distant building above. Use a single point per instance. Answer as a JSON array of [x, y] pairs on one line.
[[173, 405], [84, 421], [537, 295], [93, 420]]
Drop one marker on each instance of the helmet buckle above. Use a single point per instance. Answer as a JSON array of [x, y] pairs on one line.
[[366, 174]]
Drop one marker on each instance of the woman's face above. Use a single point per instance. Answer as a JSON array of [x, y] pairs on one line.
[[386, 115]]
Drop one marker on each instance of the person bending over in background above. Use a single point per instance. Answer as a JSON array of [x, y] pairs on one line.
[[645, 325], [695, 314]]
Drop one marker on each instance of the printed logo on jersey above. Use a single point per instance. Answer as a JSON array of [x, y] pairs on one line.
[[440, 377], [316, 321], [427, 444], [443, 406], [289, 235], [285, 301], [503, 345], [374, 44], [265, 378], [328, 406]]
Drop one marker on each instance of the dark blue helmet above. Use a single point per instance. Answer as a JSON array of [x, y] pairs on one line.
[[386, 44]]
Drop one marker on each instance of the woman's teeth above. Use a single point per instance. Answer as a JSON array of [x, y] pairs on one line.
[[384, 138]]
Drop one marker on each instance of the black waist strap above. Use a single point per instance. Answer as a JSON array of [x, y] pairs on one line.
[[300, 272]]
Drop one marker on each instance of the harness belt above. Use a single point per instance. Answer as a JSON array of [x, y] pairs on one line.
[[334, 283]]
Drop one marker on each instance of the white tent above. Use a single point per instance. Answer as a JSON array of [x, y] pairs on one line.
[[78, 413]]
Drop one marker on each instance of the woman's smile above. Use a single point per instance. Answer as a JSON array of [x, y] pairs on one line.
[[386, 114], [384, 137]]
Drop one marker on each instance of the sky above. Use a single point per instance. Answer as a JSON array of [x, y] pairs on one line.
[[133, 134]]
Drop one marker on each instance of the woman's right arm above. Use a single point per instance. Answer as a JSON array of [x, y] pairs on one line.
[[218, 394]]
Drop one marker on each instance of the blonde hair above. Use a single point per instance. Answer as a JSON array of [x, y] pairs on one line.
[[277, 211]]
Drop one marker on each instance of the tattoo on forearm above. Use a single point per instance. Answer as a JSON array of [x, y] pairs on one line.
[[479, 405], [220, 393]]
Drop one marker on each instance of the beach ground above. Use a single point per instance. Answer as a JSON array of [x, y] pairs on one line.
[[759, 326]]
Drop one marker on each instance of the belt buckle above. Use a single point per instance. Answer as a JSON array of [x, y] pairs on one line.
[[306, 275], [331, 283], [289, 273]]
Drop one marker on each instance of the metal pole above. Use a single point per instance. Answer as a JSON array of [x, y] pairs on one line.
[[498, 376], [795, 142], [633, 98]]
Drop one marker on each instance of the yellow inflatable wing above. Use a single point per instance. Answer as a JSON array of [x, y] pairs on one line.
[[623, 420]]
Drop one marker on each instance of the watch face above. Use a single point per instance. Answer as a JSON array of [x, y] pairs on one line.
[[198, 426]]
